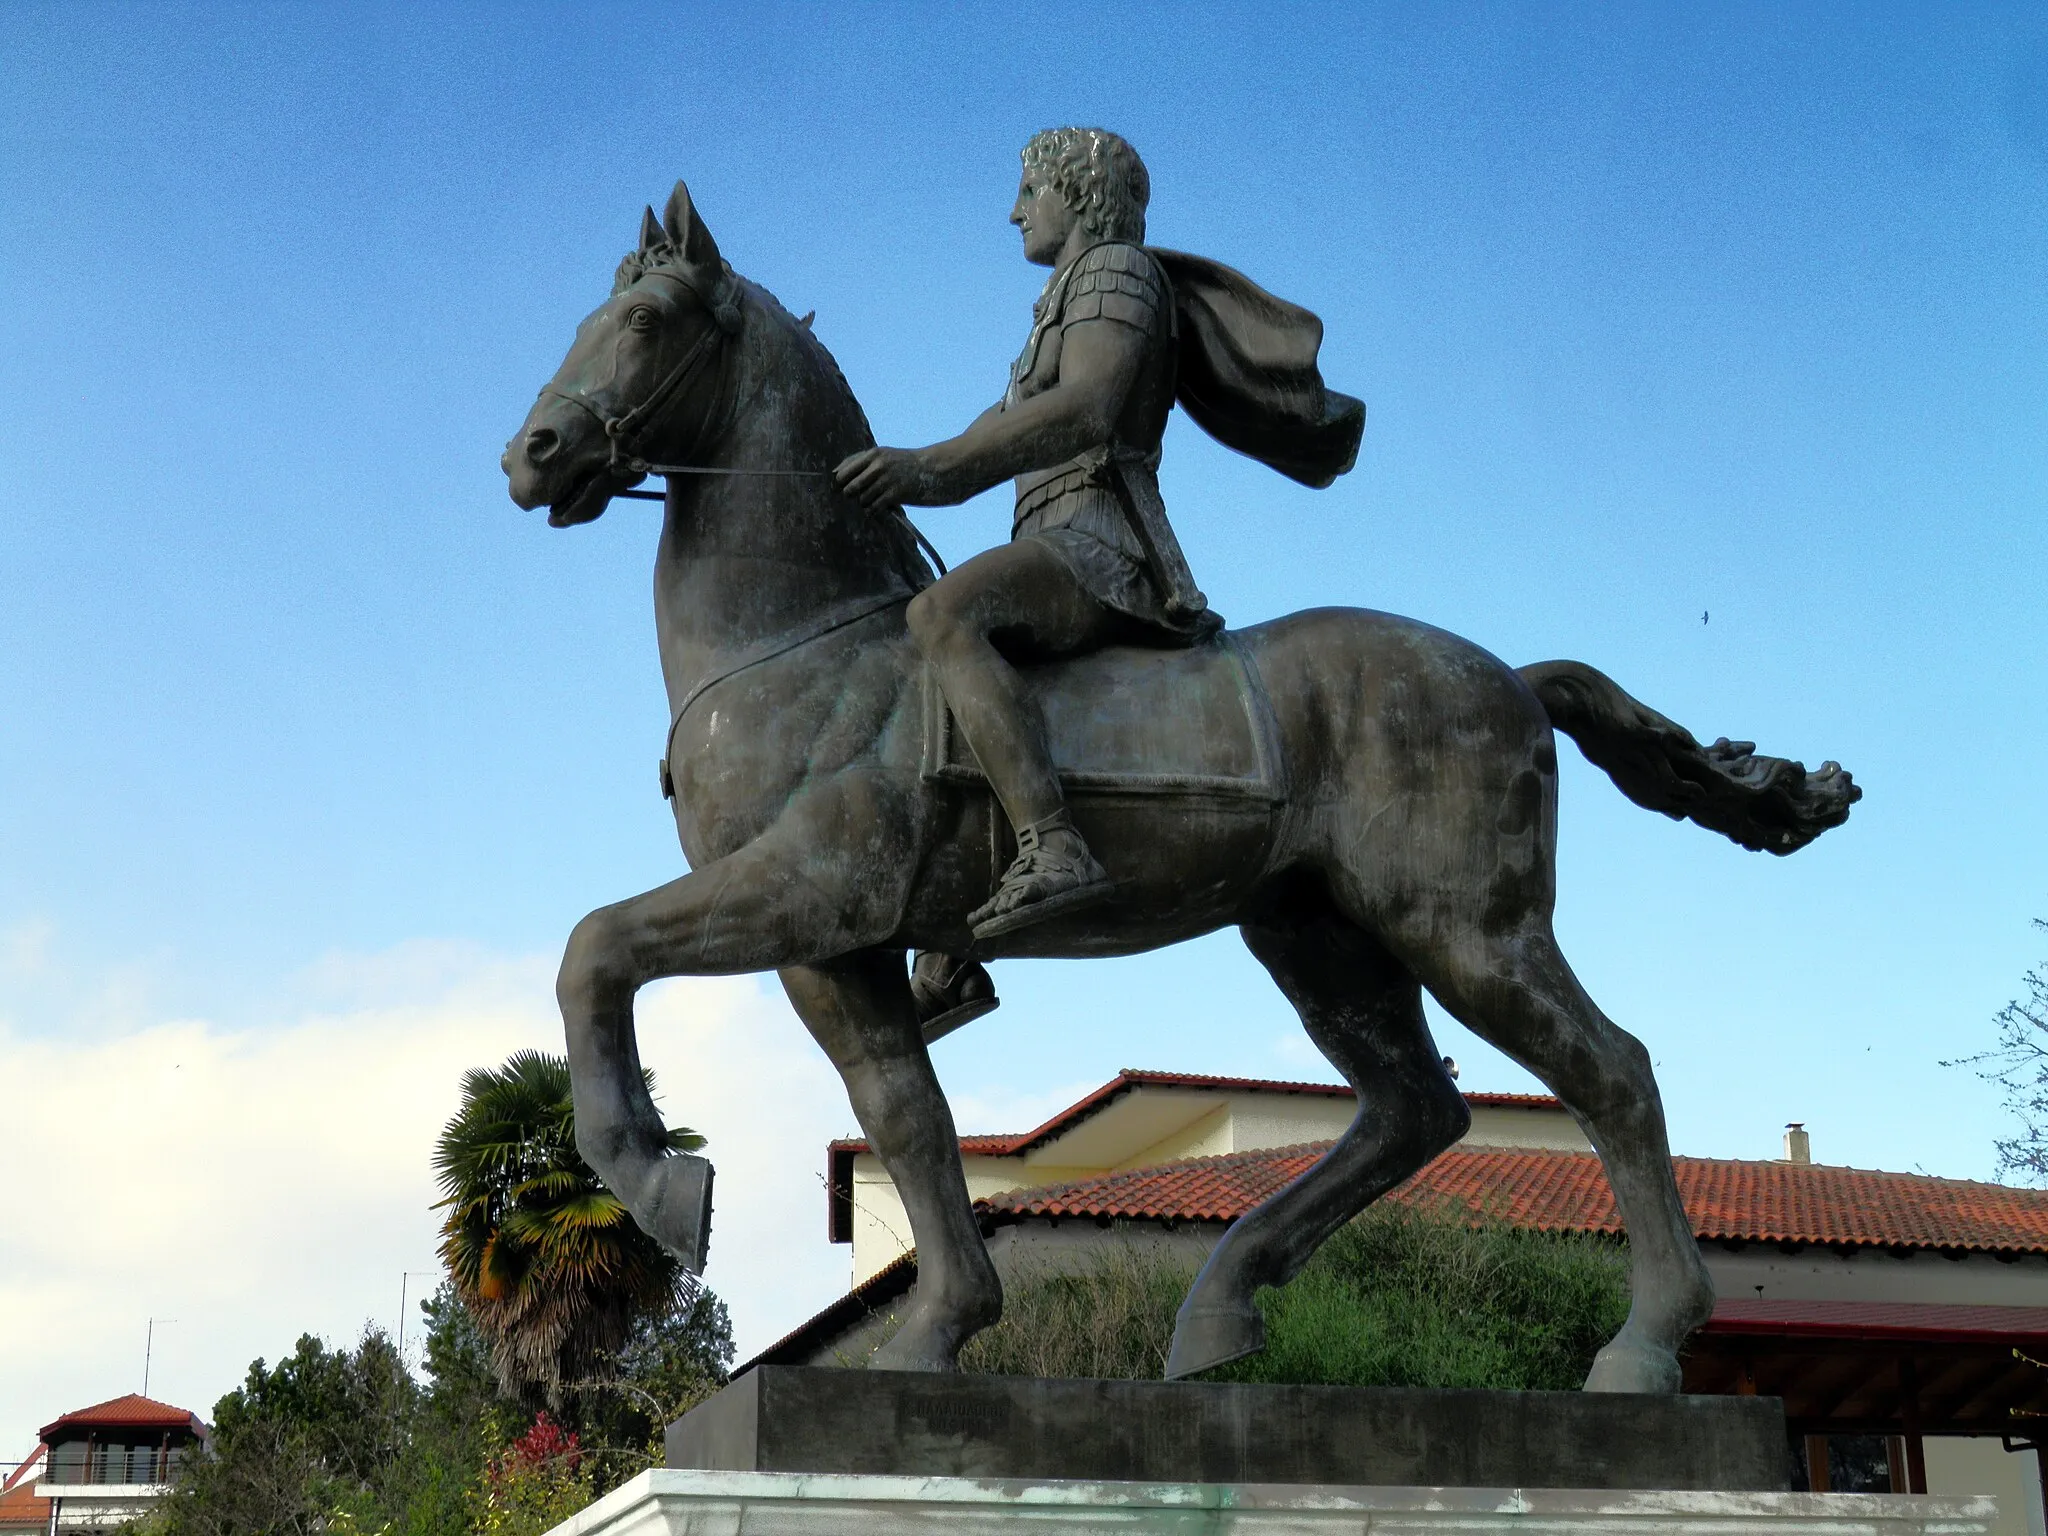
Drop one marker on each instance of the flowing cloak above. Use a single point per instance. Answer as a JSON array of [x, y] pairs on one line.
[[1248, 376]]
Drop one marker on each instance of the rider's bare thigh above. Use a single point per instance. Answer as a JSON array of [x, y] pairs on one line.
[[1020, 596]]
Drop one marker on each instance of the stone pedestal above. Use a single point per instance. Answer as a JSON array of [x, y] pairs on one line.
[[799, 1419], [667, 1502]]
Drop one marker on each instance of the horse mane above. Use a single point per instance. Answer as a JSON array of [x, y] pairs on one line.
[[897, 530], [900, 537]]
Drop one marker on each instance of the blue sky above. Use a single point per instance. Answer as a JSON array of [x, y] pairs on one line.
[[1660, 313]]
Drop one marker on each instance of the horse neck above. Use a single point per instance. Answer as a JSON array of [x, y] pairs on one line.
[[746, 559]]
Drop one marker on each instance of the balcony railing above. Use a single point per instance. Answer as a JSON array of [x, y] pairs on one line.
[[112, 1464]]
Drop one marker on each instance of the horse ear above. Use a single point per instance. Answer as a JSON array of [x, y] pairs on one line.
[[687, 232], [650, 231]]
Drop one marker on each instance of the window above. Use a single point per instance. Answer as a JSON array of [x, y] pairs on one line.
[[1855, 1463]]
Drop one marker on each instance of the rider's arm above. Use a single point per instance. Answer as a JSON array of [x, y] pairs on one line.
[[1099, 361]]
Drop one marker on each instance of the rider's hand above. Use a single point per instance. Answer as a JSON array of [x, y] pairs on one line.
[[889, 477]]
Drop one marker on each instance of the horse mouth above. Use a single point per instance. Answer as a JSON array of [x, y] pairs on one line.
[[585, 501]]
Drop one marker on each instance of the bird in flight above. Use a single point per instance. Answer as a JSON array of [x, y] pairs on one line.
[[1703, 615]]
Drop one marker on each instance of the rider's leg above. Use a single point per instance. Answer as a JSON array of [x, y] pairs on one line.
[[949, 991], [1025, 590], [1021, 588]]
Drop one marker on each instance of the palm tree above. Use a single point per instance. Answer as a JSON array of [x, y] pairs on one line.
[[546, 1258]]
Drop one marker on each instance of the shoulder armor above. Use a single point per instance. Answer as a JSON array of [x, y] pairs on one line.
[[1114, 281]]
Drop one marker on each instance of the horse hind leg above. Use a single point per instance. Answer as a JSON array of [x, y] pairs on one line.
[[1515, 989], [1363, 1010]]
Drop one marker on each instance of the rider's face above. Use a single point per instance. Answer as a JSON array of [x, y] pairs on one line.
[[1043, 217]]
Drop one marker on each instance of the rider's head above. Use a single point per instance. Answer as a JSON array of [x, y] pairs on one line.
[[1099, 176]]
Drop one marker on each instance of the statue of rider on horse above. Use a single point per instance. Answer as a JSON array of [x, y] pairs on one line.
[[1370, 801], [1120, 331]]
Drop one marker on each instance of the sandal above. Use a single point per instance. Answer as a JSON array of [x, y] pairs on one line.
[[1042, 884]]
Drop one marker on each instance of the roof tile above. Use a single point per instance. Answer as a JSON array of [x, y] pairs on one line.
[[131, 1411], [21, 1510], [1568, 1191]]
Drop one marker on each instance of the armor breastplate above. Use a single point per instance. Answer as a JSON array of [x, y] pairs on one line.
[[1111, 281]]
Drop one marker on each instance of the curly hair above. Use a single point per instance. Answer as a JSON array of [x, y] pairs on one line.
[[1099, 175]]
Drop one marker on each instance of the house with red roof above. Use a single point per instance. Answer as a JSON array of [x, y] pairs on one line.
[[100, 1467], [1900, 1317], [1143, 1120]]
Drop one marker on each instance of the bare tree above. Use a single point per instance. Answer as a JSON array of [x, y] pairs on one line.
[[2019, 1065]]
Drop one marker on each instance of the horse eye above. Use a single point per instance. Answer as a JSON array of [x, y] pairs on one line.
[[641, 319]]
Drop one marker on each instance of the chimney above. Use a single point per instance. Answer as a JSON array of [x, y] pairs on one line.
[[1798, 1145]]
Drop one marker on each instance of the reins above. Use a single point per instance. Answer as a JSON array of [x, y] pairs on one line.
[[624, 431]]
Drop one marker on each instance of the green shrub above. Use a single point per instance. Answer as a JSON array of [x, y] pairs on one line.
[[1399, 1297], [1407, 1298], [1111, 1318]]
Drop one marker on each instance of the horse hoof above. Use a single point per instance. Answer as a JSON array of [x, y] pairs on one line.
[[1624, 1366], [677, 1209], [1212, 1337]]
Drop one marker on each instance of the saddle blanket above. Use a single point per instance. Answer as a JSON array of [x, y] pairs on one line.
[[1127, 720]]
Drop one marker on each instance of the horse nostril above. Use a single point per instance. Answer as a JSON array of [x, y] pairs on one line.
[[541, 444]]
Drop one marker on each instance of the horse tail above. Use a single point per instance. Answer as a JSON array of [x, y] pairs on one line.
[[1764, 803]]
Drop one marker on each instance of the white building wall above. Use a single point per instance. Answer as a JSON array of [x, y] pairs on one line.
[[1210, 1135], [1494, 1126], [86, 1507], [1818, 1274], [1981, 1464]]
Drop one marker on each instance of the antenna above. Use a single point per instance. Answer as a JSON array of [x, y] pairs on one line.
[[405, 1278], [149, 1349]]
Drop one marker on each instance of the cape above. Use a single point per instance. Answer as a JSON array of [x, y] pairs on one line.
[[1248, 375]]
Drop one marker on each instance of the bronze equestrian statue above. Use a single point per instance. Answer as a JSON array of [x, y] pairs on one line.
[[1092, 559], [1372, 802]]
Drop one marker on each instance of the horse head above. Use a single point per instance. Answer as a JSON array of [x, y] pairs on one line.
[[643, 377]]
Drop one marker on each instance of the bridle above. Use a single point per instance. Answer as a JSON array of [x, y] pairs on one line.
[[624, 431]]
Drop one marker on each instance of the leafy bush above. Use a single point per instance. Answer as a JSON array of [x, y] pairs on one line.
[[1111, 1318], [536, 1483], [1408, 1298], [325, 1440], [1399, 1297], [669, 1365], [346, 1443]]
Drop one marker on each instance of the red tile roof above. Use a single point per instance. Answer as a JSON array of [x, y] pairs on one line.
[[21, 1510], [1728, 1201], [131, 1412], [1567, 1191], [839, 1155]]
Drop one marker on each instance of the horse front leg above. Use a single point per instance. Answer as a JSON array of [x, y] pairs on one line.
[[859, 1008], [788, 898]]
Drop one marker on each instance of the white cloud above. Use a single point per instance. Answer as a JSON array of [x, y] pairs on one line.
[[257, 1183]]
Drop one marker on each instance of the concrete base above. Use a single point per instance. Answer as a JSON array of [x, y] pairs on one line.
[[892, 1423], [665, 1502]]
